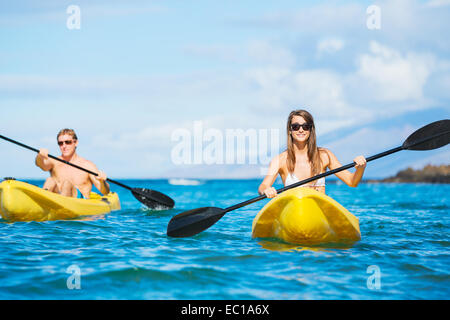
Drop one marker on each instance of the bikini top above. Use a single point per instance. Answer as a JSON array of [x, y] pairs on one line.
[[291, 178]]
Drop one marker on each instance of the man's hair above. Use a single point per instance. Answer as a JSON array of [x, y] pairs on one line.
[[69, 132]]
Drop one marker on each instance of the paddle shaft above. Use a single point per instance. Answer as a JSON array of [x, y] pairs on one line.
[[328, 173], [325, 174], [64, 161], [189, 223]]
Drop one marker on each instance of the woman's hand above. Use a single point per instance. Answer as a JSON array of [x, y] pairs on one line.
[[266, 186], [270, 192], [360, 162]]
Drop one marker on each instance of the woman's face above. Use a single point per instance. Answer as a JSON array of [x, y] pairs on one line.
[[300, 135]]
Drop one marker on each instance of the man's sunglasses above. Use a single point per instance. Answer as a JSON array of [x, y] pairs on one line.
[[297, 126], [68, 142]]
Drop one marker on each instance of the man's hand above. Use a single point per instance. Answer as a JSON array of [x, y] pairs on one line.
[[104, 186], [43, 161], [101, 176], [43, 153]]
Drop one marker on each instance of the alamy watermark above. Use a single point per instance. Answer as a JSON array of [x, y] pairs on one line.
[[227, 146], [373, 21], [374, 280], [74, 280], [73, 21]]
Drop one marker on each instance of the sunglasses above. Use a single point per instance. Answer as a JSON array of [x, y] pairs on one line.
[[68, 142], [297, 126]]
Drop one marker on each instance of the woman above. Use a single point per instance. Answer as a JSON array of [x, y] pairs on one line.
[[303, 159]]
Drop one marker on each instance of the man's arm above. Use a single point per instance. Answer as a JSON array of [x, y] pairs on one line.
[[43, 161], [99, 181]]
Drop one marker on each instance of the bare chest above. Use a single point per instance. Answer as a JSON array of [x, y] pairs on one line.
[[302, 169], [63, 172]]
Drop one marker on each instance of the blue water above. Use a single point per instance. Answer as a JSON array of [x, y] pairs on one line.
[[404, 252]]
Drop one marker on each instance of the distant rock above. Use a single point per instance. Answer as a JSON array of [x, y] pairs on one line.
[[429, 174]]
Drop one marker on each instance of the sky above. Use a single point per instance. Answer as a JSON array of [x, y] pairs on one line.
[[156, 89]]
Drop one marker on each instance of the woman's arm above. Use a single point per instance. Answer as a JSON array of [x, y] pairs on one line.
[[351, 179], [266, 186]]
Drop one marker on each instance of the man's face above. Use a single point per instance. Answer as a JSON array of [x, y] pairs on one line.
[[67, 144]]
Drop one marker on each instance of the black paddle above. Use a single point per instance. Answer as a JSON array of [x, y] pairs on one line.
[[151, 198], [189, 223]]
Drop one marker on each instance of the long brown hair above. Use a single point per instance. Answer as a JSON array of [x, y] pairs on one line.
[[313, 151]]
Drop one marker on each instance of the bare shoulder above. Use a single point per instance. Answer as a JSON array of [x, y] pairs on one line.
[[278, 162], [283, 155], [279, 157], [86, 163], [325, 155], [325, 151], [282, 160]]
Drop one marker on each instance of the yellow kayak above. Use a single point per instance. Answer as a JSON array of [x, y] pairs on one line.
[[20, 201], [305, 216]]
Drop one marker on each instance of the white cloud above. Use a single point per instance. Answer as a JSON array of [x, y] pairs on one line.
[[438, 3], [314, 19], [54, 12], [267, 53], [367, 141], [252, 77], [384, 82], [51, 85], [392, 76], [320, 91], [260, 52], [443, 157], [157, 137], [215, 51], [373, 140], [329, 45], [443, 83]]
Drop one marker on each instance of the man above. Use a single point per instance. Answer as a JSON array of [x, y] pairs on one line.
[[67, 180]]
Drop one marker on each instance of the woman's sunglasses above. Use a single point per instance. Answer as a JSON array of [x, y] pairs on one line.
[[297, 126], [68, 142]]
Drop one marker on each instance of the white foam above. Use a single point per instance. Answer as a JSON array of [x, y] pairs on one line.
[[185, 182]]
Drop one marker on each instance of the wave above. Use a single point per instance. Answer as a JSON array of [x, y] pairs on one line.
[[185, 182]]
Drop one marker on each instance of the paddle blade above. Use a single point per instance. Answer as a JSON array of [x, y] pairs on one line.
[[432, 136], [153, 199], [189, 223]]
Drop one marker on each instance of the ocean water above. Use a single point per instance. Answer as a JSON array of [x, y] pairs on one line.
[[404, 252]]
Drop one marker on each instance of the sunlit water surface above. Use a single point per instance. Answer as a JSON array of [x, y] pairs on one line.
[[403, 254]]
